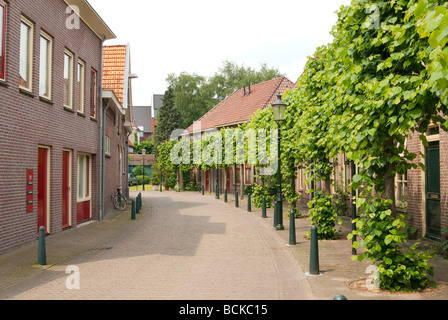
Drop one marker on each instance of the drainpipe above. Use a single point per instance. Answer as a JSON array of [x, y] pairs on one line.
[[101, 137]]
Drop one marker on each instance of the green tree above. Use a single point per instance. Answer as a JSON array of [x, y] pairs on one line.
[[168, 119], [231, 77], [147, 145], [195, 95], [191, 98]]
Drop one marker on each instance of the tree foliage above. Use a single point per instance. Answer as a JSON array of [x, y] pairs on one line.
[[195, 95], [168, 119], [382, 78]]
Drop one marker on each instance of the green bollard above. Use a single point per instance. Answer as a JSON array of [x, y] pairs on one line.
[[225, 195], [249, 205], [140, 202], [339, 297], [133, 210], [41, 251], [275, 214], [137, 205], [203, 190], [314, 253], [292, 228], [236, 200], [263, 208]]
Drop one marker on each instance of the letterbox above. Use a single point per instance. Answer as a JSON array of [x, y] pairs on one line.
[[29, 190]]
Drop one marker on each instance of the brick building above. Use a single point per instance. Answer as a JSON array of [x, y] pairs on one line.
[[50, 76], [117, 121]]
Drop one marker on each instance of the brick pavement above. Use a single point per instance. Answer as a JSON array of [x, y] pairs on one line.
[[182, 246], [188, 246]]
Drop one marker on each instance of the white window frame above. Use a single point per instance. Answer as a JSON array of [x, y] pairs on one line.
[[84, 185], [107, 145], [26, 57], [3, 6], [81, 85], [45, 70], [68, 74], [93, 92]]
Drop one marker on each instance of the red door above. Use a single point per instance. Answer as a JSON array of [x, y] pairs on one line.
[[42, 189], [66, 191]]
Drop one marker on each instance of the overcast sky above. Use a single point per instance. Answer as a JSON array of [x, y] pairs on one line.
[[196, 36]]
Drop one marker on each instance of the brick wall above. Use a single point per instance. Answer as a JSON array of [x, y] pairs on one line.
[[28, 122], [114, 129]]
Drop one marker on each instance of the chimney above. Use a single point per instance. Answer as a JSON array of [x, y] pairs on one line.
[[244, 90], [249, 89]]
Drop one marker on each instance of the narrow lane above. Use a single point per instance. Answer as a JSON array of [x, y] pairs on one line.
[[184, 246]]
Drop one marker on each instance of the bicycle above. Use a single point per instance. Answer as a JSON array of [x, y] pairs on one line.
[[120, 202]]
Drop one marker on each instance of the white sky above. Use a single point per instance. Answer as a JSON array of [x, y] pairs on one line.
[[196, 36]]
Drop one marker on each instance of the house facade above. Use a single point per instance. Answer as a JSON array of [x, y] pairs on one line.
[[117, 125], [233, 111], [421, 195], [50, 76]]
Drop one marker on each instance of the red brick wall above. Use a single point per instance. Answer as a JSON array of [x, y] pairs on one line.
[[118, 137], [28, 122]]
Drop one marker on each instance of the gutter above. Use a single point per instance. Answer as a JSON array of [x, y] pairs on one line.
[[101, 136]]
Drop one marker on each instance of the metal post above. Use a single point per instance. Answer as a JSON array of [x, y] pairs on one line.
[[140, 201], [217, 183], [41, 251], [143, 172], [133, 210], [279, 203], [275, 214], [137, 207], [236, 199], [249, 205], [292, 228], [263, 208], [314, 253], [161, 180], [225, 195], [353, 169], [203, 190]]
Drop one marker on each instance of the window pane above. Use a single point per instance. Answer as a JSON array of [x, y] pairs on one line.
[[25, 33], [93, 94], [2, 39], [44, 83], [67, 80], [80, 87], [80, 176]]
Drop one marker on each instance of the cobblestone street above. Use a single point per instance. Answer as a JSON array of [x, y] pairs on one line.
[[182, 246]]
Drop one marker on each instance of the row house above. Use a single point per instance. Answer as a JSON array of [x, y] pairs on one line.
[[50, 77], [117, 123], [233, 111], [421, 195]]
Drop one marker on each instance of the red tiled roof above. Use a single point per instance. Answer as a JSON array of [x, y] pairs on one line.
[[239, 107], [114, 64]]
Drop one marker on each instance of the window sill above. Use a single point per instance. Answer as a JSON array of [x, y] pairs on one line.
[[69, 109], [46, 100], [81, 114], [26, 93], [93, 119], [3, 84]]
